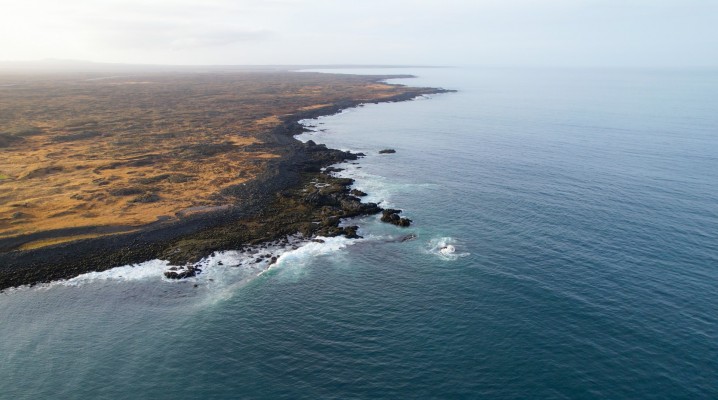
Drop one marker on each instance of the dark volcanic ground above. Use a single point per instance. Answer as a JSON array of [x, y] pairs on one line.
[[256, 182]]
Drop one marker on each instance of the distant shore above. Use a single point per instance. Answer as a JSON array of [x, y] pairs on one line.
[[283, 200]]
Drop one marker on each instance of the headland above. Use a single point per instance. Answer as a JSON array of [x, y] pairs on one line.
[[101, 171]]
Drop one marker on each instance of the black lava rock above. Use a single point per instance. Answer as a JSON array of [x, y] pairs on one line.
[[182, 272], [391, 216]]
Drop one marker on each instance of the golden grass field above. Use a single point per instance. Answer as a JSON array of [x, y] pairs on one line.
[[122, 152]]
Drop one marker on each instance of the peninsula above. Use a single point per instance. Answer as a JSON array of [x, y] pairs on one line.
[[98, 170]]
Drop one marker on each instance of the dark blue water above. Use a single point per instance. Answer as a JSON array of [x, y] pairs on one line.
[[583, 207]]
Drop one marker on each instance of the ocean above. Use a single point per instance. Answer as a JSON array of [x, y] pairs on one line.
[[582, 207]]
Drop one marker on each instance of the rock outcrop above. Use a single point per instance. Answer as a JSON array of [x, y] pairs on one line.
[[183, 272], [391, 216]]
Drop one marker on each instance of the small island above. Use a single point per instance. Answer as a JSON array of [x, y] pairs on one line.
[[101, 171]]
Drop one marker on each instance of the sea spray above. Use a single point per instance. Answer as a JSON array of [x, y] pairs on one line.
[[222, 269], [446, 248]]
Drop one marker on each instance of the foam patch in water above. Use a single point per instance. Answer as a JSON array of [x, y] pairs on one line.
[[446, 248], [320, 246], [224, 270], [142, 271]]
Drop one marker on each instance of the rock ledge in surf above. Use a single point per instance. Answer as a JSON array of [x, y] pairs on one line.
[[391, 216], [182, 272]]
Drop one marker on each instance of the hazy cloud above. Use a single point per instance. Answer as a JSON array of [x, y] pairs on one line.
[[174, 34], [503, 32]]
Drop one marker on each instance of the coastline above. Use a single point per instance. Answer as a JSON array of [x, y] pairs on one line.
[[288, 197]]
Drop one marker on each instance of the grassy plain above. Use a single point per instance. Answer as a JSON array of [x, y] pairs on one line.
[[89, 155]]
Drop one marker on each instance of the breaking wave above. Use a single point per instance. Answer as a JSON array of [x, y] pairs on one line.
[[446, 248], [223, 269]]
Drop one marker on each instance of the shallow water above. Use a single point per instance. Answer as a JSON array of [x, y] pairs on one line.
[[582, 207]]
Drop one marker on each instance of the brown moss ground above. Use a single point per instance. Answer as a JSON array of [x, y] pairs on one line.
[[123, 152]]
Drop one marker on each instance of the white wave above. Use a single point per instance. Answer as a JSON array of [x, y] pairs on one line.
[[146, 270], [380, 189], [320, 246], [153, 269], [223, 270], [446, 248], [227, 271]]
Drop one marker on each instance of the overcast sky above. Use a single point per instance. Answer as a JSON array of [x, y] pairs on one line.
[[438, 32]]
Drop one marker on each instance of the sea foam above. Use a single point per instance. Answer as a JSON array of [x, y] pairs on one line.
[[446, 248], [223, 269]]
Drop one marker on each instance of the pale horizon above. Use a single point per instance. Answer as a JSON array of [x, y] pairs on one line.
[[562, 33]]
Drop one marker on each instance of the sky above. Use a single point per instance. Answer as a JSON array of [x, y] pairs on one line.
[[624, 33]]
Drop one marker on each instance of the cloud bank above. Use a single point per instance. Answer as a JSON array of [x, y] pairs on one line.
[[456, 32]]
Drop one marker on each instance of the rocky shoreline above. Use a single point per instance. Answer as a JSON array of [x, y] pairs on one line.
[[292, 195]]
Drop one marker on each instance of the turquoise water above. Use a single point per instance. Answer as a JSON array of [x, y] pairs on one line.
[[583, 206]]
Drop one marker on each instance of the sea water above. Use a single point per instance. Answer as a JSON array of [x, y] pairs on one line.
[[582, 208]]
